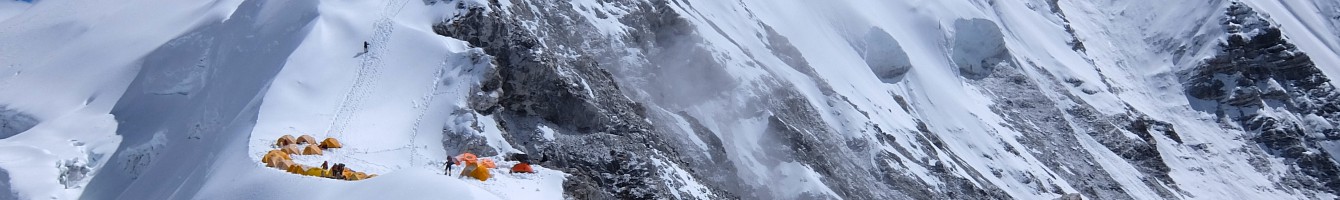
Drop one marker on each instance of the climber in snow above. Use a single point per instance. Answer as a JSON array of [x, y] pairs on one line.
[[365, 49], [450, 162]]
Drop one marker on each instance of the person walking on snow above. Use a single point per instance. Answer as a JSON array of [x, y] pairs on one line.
[[450, 162], [365, 49]]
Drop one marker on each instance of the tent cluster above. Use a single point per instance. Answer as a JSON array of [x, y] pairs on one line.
[[478, 168], [475, 167], [288, 145]]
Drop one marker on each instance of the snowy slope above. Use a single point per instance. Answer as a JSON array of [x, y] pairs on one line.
[[674, 99], [196, 93]]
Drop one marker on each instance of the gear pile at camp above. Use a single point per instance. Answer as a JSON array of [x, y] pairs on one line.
[[287, 147]]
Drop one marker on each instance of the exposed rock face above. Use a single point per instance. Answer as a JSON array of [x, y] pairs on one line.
[[604, 138], [551, 74], [621, 107], [1051, 133], [1071, 196], [1263, 82]]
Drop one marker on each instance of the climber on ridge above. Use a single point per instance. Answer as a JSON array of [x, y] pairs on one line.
[[365, 49]]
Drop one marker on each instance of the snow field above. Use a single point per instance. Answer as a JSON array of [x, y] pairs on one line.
[[388, 106]]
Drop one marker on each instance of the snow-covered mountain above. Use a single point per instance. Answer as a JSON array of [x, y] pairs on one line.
[[674, 99]]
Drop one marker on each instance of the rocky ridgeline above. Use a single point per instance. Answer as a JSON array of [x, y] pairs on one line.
[[1263, 82], [619, 143], [602, 137]]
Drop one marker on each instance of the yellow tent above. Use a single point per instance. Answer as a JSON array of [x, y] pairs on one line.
[[481, 172], [284, 164], [306, 139], [290, 149], [315, 171], [285, 140], [356, 176], [347, 173], [281, 154], [311, 150], [273, 157], [296, 169], [331, 143]]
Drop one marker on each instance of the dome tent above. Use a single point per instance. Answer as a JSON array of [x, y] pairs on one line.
[[315, 171], [311, 150], [480, 172], [285, 140], [296, 169], [306, 139], [522, 168], [291, 149], [331, 143], [284, 164], [273, 157]]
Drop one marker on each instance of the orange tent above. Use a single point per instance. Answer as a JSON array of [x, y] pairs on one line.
[[285, 140], [487, 162], [311, 150], [306, 139], [466, 158], [330, 143], [290, 149], [522, 168]]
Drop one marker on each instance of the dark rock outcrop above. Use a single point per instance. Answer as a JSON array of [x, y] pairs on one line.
[[603, 139], [1263, 82]]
